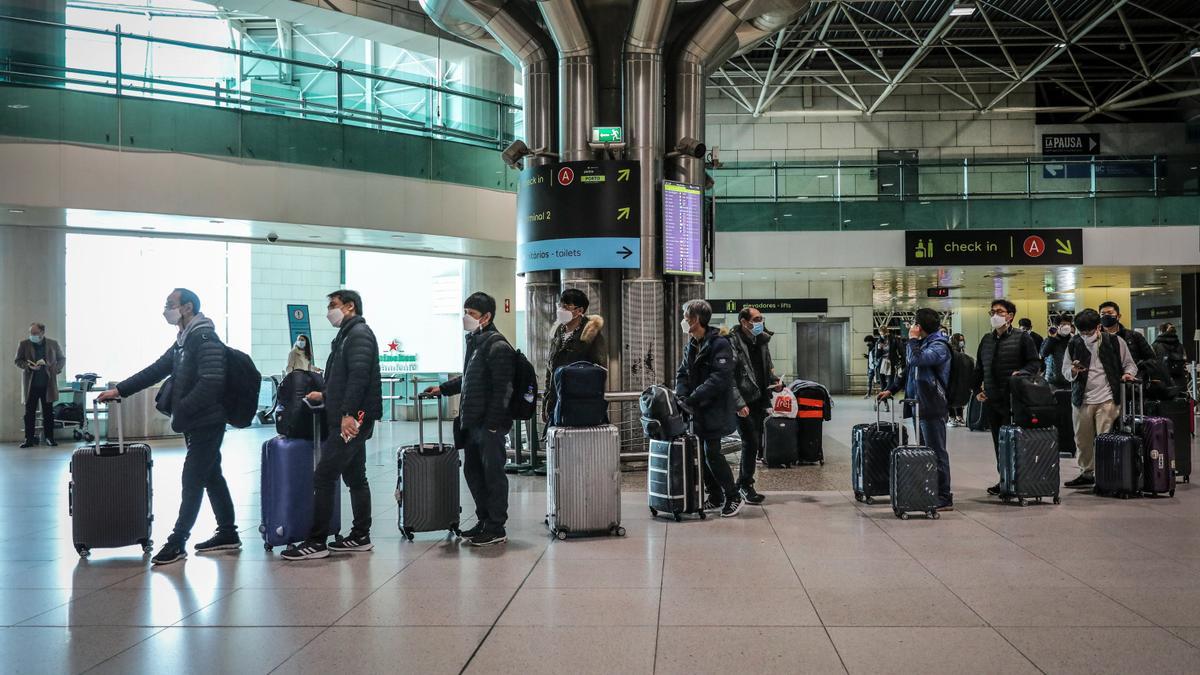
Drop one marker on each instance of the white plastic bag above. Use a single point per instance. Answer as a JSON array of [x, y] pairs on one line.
[[783, 403]]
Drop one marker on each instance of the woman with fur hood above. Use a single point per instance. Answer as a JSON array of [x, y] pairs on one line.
[[576, 337]]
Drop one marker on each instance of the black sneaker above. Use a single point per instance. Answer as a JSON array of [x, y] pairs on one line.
[[475, 531], [355, 543], [1082, 481], [752, 496], [712, 504], [994, 490], [29, 444], [487, 538], [221, 541], [169, 553], [309, 550], [51, 442], [947, 505], [731, 507]]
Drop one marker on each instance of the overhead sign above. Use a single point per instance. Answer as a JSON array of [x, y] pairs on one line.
[[607, 135], [298, 322], [937, 292], [1161, 312], [933, 248], [577, 215], [683, 228], [773, 305], [1070, 144], [1104, 169]]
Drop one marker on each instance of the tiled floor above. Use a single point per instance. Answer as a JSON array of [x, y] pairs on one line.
[[812, 582]]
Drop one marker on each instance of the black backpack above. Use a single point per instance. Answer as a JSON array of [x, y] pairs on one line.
[[1175, 363], [962, 373], [242, 383], [1033, 402], [579, 392], [663, 419], [523, 403], [293, 417]]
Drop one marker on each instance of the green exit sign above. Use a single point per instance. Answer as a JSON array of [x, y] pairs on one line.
[[607, 135]]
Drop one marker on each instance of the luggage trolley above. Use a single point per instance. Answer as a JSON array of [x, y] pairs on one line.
[[71, 414]]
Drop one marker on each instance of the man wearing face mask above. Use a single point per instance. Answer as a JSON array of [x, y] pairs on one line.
[[1003, 353], [1026, 325], [704, 384], [353, 403], [483, 418], [576, 337], [1110, 321], [40, 360], [195, 362], [1054, 349], [753, 379], [1096, 364]]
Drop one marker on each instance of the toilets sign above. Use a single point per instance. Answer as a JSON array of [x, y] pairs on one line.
[[935, 248]]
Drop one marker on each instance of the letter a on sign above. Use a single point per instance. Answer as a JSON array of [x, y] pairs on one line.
[[1034, 246]]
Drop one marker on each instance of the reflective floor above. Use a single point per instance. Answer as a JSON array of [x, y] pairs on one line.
[[812, 582]]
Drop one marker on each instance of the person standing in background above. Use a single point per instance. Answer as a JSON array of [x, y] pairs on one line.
[[869, 341], [1054, 349], [40, 360], [301, 356], [1027, 327], [958, 344]]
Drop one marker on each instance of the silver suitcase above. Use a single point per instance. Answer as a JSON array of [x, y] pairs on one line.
[[583, 481]]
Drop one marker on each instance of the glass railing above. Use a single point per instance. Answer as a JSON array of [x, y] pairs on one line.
[[346, 95]]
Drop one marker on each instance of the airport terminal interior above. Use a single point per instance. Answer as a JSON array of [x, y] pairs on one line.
[[592, 303]]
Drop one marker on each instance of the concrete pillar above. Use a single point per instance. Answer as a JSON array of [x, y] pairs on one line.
[[32, 45], [497, 278], [33, 276]]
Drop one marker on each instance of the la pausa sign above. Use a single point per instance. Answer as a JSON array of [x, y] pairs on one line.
[[394, 361], [930, 248]]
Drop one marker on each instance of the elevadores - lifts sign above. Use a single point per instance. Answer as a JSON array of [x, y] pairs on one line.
[[936, 248]]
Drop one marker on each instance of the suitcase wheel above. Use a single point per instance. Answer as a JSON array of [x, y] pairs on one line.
[[858, 497], [703, 516], [1023, 502], [1172, 492], [560, 535], [1057, 500], [455, 531], [408, 534], [268, 548], [822, 462], [869, 500], [619, 531], [83, 551], [935, 515], [902, 515], [679, 518]]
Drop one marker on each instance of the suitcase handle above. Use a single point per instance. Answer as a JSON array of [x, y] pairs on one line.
[[891, 409], [1132, 393], [113, 406], [418, 397]]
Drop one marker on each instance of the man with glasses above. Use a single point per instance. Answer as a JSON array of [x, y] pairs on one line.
[[753, 377], [1003, 353]]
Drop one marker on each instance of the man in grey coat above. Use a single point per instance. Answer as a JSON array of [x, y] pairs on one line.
[[40, 360]]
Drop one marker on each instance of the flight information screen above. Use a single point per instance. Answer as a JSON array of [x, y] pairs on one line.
[[683, 228]]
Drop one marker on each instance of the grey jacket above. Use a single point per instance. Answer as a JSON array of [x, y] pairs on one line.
[[56, 360]]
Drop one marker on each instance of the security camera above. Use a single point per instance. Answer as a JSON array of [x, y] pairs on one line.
[[272, 237], [514, 153], [691, 147]]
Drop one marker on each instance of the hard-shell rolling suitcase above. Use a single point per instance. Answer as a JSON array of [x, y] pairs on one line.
[[914, 478], [675, 484], [110, 495], [1119, 459], [583, 481], [1028, 464], [1065, 423], [781, 437], [286, 484], [1179, 411], [1158, 446], [871, 448], [427, 483]]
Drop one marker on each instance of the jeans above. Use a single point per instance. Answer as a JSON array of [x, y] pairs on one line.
[[997, 416], [1092, 419], [483, 469], [201, 472], [38, 395], [750, 428], [933, 435], [348, 460], [718, 477]]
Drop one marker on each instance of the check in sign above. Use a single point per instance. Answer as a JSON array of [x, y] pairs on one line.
[[934, 248]]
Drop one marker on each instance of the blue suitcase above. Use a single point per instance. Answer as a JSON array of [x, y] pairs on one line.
[[287, 491]]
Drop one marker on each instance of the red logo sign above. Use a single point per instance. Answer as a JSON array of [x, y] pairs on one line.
[[507, 305], [566, 175], [1034, 246]]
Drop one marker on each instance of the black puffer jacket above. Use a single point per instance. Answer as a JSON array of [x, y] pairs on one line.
[[1139, 346], [197, 372], [746, 386], [486, 382], [585, 343], [705, 383], [1053, 349], [352, 374], [999, 356]]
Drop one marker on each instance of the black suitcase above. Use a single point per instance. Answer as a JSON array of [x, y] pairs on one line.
[[1065, 423], [1028, 464], [871, 448], [675, 485], [914, 479], [427, 483], [781, 438], [110, 495], [976, 420], [1179, 411], [809, 445], [1119, 457]]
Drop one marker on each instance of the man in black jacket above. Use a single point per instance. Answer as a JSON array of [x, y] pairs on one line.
[[353, 403], [577, 337], [195, 362], [1053, 350], [704, 385], [486, 387], [1002, 354], [1110, 320], [1026, 325], [753, 378]]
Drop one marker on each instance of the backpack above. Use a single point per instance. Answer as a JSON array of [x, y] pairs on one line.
[[523, 403], [579, 391], [1175, 363], [962, 372], [293, 418], [662, 417], [1033, 402], [1157, 378], [242, 382]]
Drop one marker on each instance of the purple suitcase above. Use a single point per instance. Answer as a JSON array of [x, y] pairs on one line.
[[1158, 447]]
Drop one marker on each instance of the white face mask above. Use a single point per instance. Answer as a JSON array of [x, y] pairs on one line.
[[998, 321], [564, 316], [335, 316], [687, 327], [1065, 331], [470, 323], [300, 344], [172, 315]]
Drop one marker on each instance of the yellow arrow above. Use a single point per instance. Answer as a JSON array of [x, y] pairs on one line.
[[1064, 247], [623, 213], [622, 175]]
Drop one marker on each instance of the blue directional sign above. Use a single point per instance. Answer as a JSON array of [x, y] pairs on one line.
[[579, 253], [298, 322]]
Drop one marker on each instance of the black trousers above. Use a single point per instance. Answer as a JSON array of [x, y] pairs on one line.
[[718, 477], [750, 428], [348, 460], [483, 469], [38, 395], [202, 473]]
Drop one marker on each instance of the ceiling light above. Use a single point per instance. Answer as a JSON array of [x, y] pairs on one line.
[[17, 106], [925, 203], [1195, 54], [216, 222], [846, 220], [964, 9], [824, 175], [314, 236], [147, 227], [16, 210], [787, 215], [820, 49], [884, 224], [1060, 45]]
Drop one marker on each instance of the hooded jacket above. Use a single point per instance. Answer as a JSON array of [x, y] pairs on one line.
[[195, 362], [352, 380], [585, 343], [704, 382], [486, 383], [746, 387]]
